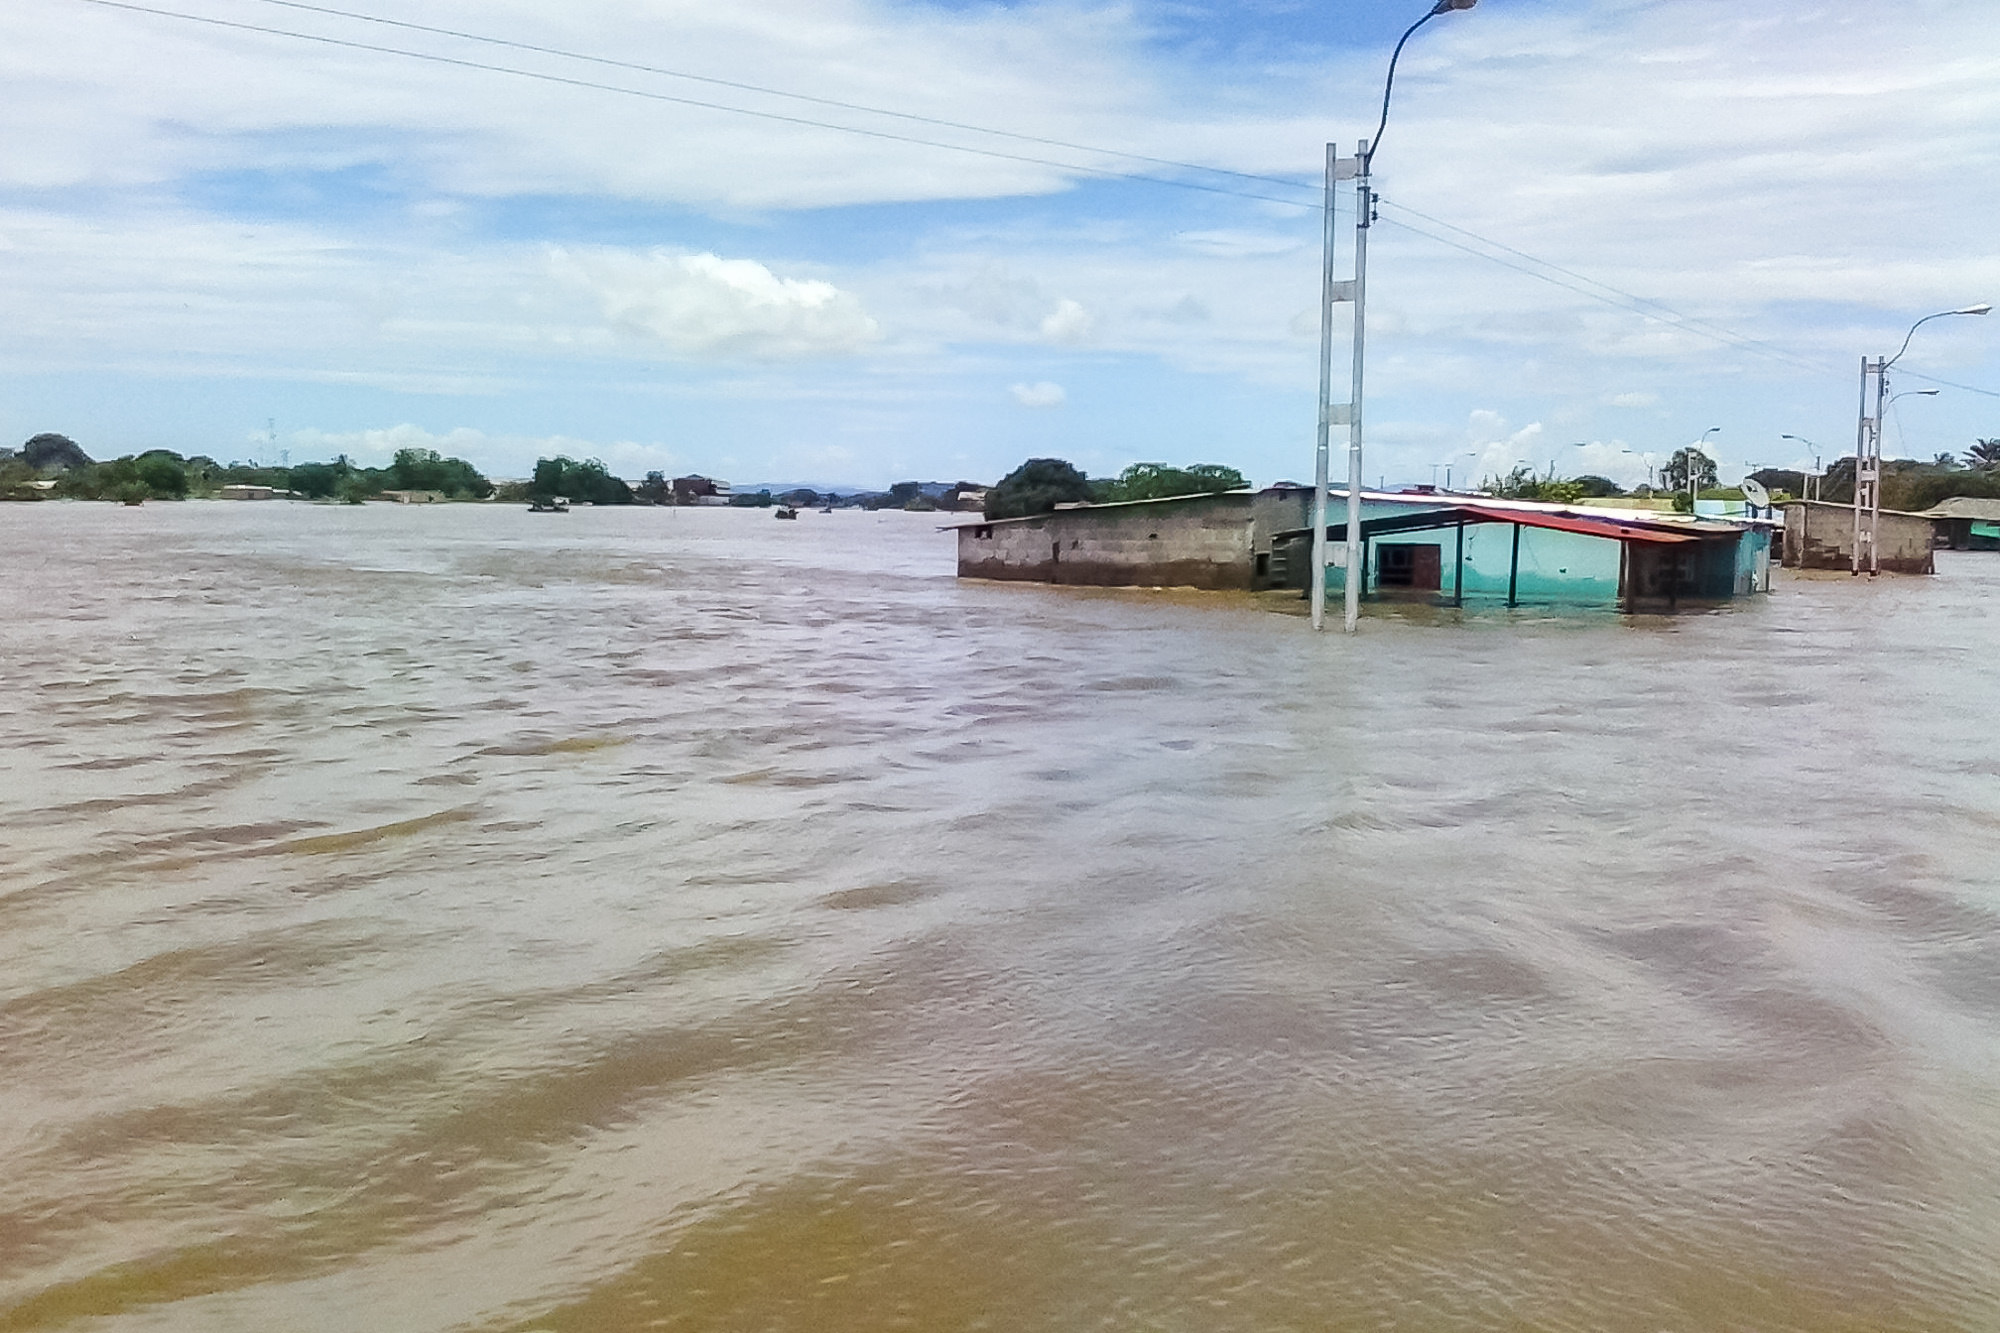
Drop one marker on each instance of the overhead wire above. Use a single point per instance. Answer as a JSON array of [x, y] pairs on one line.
[[1949, 384], [1543, 270], [1289, 182], [1658, 308], [593, 85]]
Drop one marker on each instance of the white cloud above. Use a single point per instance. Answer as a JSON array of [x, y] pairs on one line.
[[701, 305], [1068, 323], [1498, 448], [1728, 174], [1041, 394]]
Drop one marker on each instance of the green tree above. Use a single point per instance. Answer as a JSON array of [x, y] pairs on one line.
[[1036, 487], [1984, 455], [588, 481], [426, 470], [162, 473], [1596, 487], [1157, 481], [1674, 472], [320, 481], [1521, 484]]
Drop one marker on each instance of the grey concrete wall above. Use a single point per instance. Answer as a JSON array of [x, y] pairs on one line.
[[1196, 542], [1821, 536]]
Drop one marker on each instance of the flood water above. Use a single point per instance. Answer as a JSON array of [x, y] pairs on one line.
[[461, 919]]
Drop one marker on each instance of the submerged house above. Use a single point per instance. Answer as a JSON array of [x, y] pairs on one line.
[[1435, 547], [1966, 523]]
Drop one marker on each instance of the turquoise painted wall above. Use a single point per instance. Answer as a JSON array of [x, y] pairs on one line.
[[1557, 568]]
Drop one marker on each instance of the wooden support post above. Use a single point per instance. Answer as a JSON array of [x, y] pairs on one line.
[[1458, 568], [1625, 576], [1514, 566]]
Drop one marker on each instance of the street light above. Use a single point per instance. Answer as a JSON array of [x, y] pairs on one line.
[[1815, 477], [1868, 444], [1359, 168]]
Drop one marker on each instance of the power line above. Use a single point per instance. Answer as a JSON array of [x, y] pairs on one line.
[[1635, 305], [1720, 331], [566, 81], [1949, 384], [1591, 288], [1290, 183]]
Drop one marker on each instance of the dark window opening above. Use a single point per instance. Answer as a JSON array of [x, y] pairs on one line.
[[1408, 565]]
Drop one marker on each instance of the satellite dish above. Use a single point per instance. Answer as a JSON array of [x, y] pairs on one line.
[[1754, 492]]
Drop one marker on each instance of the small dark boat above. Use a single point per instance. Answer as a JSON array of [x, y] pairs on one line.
[[784, 511], [555, 506], [827, 510]]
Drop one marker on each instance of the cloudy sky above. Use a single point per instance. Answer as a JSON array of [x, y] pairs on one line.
[[859, 241]]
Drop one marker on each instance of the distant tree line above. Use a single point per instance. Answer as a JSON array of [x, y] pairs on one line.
[[1912, 484], [162, 474]]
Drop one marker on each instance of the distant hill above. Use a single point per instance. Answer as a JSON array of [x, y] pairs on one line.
[[53, 453]]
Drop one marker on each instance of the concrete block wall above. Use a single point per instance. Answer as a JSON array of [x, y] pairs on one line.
[[1821, 536], [1198, 542]]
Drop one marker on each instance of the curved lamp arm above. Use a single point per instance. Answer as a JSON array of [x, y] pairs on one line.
[[1389, 84], [1968, 310]]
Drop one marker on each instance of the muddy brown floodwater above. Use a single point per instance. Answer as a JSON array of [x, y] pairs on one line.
[[460, 919]]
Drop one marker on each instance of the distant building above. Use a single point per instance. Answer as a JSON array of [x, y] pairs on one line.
[[243, 492], [1967, 523], [1819, 535], [699, 490]]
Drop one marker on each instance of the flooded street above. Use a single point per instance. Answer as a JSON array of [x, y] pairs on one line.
[[451, 918]]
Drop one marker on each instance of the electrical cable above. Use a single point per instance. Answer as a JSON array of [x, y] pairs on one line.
[[1634, 305], [566, 81], [1288, 182], [1592, 288], [1949, 384], [1659, 306]]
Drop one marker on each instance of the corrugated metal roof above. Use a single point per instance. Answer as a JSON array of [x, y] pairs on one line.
[[1548, 517], [1966, 506], [1588, 525]]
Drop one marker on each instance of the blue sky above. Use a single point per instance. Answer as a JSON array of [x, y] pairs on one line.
[[203, 229]]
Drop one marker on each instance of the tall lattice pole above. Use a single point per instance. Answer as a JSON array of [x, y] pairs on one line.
[[1331, 414], [1364, 206], [1868, 470], [1321, 459]]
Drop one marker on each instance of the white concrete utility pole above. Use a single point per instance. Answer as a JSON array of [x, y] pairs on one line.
[[1868, 447], [1333, 292]]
